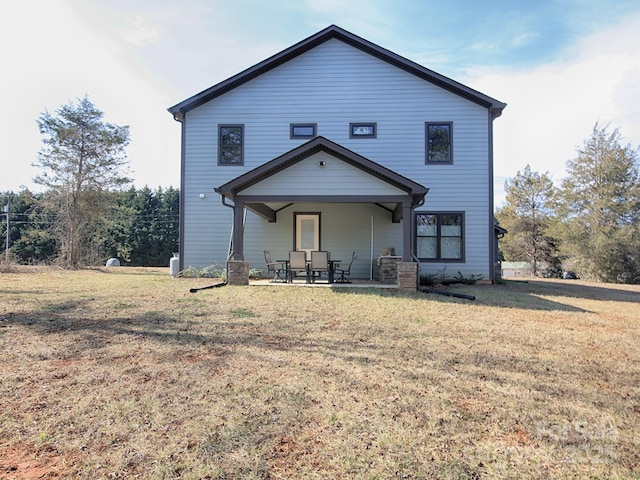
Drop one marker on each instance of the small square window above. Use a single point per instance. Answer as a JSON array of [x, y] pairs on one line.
[[303, 130], [439, 143], [363, 130]]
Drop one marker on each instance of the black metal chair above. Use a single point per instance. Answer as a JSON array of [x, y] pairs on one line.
[[344, 271], [319, 264], [297, 264], [274, 269]]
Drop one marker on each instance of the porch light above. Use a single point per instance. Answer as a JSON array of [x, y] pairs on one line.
[[321, 163]]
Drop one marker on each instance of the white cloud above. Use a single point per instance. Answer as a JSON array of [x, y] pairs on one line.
[[505, 42], [553, 108], [523, 38], [140, 32], [55, 57]]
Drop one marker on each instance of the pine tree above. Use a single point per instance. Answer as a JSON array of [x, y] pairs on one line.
[[601, 208], [82, 158], [526, 216]]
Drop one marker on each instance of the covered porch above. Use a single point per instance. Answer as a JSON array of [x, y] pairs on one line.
[[321, 196]]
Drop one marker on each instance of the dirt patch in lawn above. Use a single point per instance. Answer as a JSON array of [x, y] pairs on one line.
[[21, 463]]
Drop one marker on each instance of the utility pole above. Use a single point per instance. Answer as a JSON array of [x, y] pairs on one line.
[[6, 210]]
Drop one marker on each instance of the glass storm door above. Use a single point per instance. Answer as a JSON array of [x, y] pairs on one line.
[[308, 232]]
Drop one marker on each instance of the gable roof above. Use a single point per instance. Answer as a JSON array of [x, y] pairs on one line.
[[335, 32], [322, 144]]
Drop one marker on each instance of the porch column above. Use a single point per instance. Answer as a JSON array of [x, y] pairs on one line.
[[407, 231], [238, 230]]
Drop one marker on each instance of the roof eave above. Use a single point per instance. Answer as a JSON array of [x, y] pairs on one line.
[[328, 33]]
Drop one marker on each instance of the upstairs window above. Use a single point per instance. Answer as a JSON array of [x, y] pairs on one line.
[[303, 130], [362, 130], [231, 145], [439, 146], [440, 237]]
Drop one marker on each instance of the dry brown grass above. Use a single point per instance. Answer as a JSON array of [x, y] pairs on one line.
[[122, 373]]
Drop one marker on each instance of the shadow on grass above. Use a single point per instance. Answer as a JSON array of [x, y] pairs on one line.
[[509, 295], [76, 334], [530, 294], [577, 289], [87, 332], [157, 325], [518, 294]]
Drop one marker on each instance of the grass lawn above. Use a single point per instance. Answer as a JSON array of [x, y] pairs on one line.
[[122, 373]]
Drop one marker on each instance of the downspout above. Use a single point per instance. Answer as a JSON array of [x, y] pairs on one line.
[[413, 237], [224, 202], [233, 207], [417, 260], [371, 250], [492, 240], [413, 256]]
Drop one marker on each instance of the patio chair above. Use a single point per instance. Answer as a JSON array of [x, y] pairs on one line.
[[345, 271], [319, 264], [297, 264], [274, 269]]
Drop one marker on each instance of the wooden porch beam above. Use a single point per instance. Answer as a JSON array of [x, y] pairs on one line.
[[397, 213], [262, 210]]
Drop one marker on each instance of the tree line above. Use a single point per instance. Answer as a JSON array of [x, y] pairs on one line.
[[140, 227], [588, 224], [89, 211]]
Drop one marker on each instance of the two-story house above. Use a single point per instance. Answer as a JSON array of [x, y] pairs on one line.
[[339, 144]]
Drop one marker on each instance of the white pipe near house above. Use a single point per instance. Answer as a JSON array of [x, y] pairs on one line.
[[371, 252]]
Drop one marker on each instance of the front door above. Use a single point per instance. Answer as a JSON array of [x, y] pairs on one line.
[[308, 232]]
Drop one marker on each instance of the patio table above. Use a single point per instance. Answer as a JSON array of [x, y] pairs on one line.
[[332, 266]]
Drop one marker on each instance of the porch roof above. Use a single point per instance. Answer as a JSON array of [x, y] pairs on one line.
[[264, 204]]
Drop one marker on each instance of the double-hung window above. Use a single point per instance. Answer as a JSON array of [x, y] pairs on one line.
[[231, 145], [440, 237], [439, 143]]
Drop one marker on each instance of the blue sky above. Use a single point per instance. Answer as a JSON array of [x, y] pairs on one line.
[[561, 66]]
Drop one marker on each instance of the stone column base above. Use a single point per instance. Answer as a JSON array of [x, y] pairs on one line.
[[407, 276], [237, 272], [388, 272]]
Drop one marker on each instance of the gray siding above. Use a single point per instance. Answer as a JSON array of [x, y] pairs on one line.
[[333, 85], [336, 177]]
